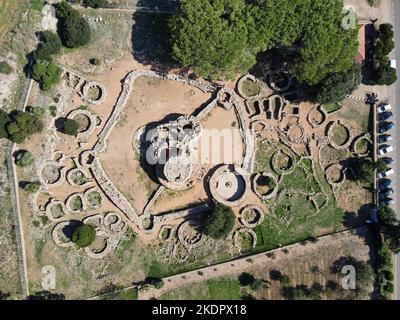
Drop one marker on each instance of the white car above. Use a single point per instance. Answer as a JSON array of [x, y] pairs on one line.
[[386, 174], [385, 149], [393, 63], [384, 108]]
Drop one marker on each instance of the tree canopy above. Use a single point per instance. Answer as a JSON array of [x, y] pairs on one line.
[[72, 28], [51, 44], [23, 126], [336, 86], [46, 73], [220, 222], [222, 37], [84, 235], [24, 158]]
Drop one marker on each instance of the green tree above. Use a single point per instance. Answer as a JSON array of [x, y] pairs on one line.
[[68, 126], [220, 222], [32, 187], [381, 166], [211, 37], [385, 75], [326, 47], [363, 170], [4, 121], [51, 44], [73, 29], [23, 126], [388, 216], [24, 158], [5, 68], [336, 86], [257, 285], [84, 235], [385, 43], [46, 73]]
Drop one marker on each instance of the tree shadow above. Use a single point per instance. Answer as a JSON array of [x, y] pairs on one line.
[[151, 34]]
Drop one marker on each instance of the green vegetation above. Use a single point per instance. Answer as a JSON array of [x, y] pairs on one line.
[[5, 68], [68, 126], [364, 169], [293, 216], [50, 45], [384, 273], [23, 126], [250, 88], [384, 73], [4, 120], [220, 222], [335, 87], [31, 187], [24, 158], [73, 29], [84, 235], [221, 38], [128, 294], [46, 73], [37, 5]]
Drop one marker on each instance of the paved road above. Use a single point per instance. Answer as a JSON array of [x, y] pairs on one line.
[[394, 98]]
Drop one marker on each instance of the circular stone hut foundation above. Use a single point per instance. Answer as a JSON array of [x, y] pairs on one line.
[[228, 185], [252, 216]]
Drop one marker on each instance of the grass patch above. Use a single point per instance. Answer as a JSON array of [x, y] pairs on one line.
[[250, 88]]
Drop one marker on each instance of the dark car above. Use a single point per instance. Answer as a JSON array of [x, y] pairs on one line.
[[385, 126], [384, 138], [386, 193], [387, 160], [384, 184], [385, 116], [386, 202]]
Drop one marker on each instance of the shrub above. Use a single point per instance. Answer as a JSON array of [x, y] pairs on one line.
[[24, 125], [388, 216], [51, 44], [53, 111], [285, 280], [72, 28], [5, 68], [257, 285], [37, 111], [246, 279], [220, 222], [4, 120], [84, 235], [31, 187], [24, 158], [46, 73]]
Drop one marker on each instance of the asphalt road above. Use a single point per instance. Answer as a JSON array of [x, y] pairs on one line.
[[394, 97]]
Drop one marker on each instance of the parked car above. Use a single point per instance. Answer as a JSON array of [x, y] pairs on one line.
[[386, 202], [384, 138], [385, 116], [385, 149], [384, 184], [385, 193], [384, 108], [393, 63], [386, 174], [385, 126], [387, 160]]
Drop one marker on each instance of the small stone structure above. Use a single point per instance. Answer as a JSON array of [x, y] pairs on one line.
[[271, 193], [252, 216], [239, 232], [86, 94], [189, 234], [92, 119]]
